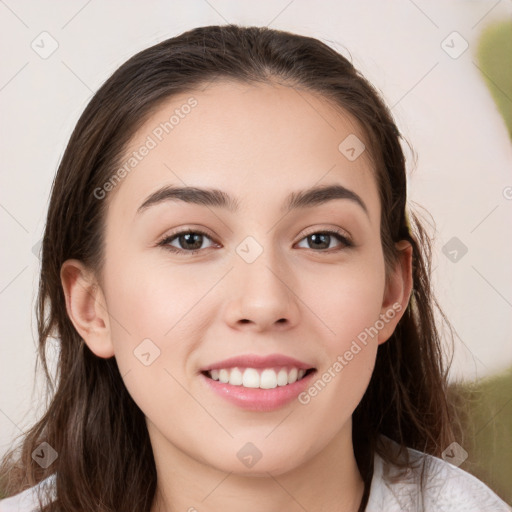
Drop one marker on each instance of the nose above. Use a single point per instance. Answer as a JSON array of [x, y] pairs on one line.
[[262, 295]]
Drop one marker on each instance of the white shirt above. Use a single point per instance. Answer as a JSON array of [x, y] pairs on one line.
[[447, 489]]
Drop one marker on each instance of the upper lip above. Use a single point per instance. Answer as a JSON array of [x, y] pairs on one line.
[[255, 361]]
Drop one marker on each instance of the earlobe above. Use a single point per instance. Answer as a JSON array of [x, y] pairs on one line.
[[86, 307], [398, 291]]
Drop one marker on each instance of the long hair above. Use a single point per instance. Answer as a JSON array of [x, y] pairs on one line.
[[105, 461]]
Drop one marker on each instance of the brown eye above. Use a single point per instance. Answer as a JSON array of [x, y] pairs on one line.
[[189, 241], [322, 240]]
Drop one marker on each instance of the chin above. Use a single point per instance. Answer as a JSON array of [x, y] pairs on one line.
[[275, 465]]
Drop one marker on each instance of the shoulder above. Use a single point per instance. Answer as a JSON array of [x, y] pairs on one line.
[[446, 488], [27, 501]]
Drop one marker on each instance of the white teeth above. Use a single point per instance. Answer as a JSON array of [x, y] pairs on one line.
[[236, 377], [268, 379], [251, 378], [282, 377]]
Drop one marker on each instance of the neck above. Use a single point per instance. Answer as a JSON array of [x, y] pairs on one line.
[[330, 480]]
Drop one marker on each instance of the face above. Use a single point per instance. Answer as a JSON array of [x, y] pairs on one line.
[[306, 283]]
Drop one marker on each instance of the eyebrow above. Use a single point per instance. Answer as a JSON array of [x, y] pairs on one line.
[[218, 198]]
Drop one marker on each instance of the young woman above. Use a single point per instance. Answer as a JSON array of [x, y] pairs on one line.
[[244, 313]]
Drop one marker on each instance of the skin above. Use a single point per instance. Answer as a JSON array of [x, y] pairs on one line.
[[293, 299]]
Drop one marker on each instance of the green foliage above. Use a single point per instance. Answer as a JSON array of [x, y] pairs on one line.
[[488, 431], [488, 428], [495, 61]]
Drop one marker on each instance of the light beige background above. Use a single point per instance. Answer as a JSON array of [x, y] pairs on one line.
[[462, 175]]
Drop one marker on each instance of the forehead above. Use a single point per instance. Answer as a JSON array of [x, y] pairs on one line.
[[256, 142]]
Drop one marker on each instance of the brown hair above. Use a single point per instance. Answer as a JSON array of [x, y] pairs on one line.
[[105, 461]]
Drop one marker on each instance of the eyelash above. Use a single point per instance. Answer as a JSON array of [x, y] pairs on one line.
[[167, 239]]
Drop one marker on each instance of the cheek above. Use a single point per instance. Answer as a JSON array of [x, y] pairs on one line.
[[149, 295], [148, 300], [154, 327], [348, 301], [347, 298]]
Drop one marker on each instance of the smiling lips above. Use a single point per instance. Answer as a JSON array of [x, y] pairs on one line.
[[258, 383], [254, 371]]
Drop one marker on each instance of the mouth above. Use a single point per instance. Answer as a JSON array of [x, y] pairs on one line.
[[258, 389]]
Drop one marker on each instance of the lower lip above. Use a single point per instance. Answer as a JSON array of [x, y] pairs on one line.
[[257, 399]]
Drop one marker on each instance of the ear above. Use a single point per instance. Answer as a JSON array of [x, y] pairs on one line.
[[397, 291], [86, 307]]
